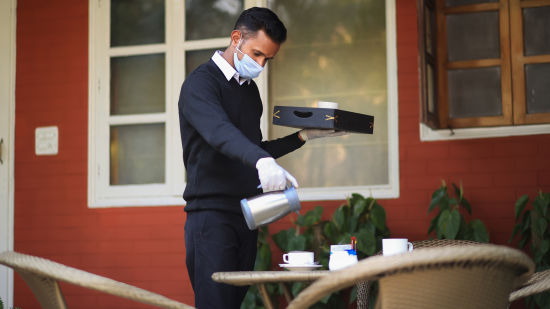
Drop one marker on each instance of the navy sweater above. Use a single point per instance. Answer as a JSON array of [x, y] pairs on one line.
[[221, 139]]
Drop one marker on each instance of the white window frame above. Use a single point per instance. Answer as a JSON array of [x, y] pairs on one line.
[[390, 190], [101, 194], [428, 134]]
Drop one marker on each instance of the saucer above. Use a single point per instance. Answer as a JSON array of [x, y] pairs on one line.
[[304, 267]]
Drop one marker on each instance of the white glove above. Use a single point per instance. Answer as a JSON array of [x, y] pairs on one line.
[[307, 134], [272, 176]]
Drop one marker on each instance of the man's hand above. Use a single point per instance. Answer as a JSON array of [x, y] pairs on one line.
[[307, 134], [272, 176]]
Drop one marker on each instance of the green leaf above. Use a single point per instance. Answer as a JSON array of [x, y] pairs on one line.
[[366, 242], [312, 217], [453, 201], [466, 205], [352, 295], [378, 216], [539, 227], [297, 243], [520, 205], [479, 231], [540, 204], [514, 232], [355, 197], [454, 224], [444, 203], [443, 221], [344, 239], [523, 242], [526, 222], [330, 231], [458, 191], [543, 247], [263, 258], [281, 239], [358, 208], [433, 224], [263, 232], [449, 223], [436, 197], [339, 218], [353, 225], [296, 288], [325, 299]]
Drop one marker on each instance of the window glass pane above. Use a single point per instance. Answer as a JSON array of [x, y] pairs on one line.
[[135, 22], [137, 84], [466, 2], [430, 80], [536, 30], [335, 51], [429, 19], [205, 19], [195, 58], [473, 36], [537, 90], [474, 92], [137, 154]]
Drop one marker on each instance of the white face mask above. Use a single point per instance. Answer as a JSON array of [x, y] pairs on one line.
[[247, 67]]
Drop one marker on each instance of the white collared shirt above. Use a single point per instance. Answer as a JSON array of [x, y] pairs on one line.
[[227, 69]]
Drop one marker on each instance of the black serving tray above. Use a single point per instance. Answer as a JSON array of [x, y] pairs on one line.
[[322, 118]]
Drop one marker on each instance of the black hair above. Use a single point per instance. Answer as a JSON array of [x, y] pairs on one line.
[[254, 19]]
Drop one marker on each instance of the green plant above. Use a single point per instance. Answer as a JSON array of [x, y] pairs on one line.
[[449, 223], [532, 228]]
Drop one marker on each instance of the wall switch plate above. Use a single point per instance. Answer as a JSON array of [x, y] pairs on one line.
[[46, 140]]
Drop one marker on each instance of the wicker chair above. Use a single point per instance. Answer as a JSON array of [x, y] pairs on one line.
[[364, 286], [539, 282], [42, 276], [480, 276]]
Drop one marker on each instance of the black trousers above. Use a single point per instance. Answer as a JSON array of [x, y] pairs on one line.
[[218, 241]]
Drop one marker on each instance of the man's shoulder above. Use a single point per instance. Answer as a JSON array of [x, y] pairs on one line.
[[207, 68], [206, 72]]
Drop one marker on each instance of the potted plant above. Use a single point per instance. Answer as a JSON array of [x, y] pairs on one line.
[[532, 228], [450, 223]]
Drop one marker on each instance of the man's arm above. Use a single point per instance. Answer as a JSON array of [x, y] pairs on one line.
[[282, 146]]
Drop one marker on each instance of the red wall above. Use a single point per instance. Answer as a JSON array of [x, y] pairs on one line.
[[144, 246]]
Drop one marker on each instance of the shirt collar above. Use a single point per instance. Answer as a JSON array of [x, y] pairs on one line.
[[227, 70]]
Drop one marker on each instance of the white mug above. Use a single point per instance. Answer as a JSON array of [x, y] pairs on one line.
[[298, 258], [324, 104], [391, 246]]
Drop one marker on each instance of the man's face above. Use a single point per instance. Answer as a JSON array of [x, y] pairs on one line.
[[259, 47]]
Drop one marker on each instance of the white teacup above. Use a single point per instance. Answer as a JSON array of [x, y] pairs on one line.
[[298, 258], [392, 246], [324, 104]]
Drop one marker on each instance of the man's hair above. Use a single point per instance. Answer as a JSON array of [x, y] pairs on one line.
[[254, 19]]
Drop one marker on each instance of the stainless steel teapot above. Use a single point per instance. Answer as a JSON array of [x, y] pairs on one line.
[[268, 207]]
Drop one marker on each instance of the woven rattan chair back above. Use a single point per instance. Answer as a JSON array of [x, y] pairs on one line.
[[364, 287], [471, 276], [43, 275]]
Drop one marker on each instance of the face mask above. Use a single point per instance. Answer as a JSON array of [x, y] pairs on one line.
[[247, 67]]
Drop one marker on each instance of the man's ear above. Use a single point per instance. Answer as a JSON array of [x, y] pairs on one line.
[[235, 37]]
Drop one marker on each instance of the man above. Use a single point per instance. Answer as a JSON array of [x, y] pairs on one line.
[[225, 158]]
